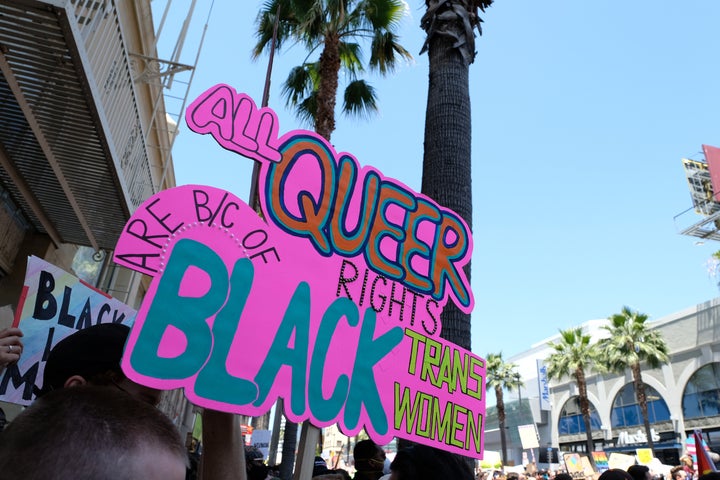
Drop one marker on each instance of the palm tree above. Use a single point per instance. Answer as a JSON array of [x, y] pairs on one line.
[[631, 342], [573, 355], [446, 178], [334, 28], [501, 376]]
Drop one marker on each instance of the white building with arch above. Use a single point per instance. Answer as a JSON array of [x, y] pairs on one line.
[[682, 396]]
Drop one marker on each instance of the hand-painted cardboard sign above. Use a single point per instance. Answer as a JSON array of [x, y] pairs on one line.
[[332, 303], [53, 305]]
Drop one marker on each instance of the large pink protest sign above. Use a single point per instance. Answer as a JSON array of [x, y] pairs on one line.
[[332, 302]]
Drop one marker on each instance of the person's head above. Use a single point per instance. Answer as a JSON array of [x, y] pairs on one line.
[[513, 476], [92, 356], [91, 432], [369, 457], [421, 462], [710, 476], [686, 461], [614, 474], [320, 467], [678, 473], [639, 472], [256, 468], [563, 476]]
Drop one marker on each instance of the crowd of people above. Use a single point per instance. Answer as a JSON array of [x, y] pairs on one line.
[[92, 422], [683, 471]]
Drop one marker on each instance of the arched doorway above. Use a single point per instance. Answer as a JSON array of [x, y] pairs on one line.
[[701, 403], [628, 427], [571, 426]]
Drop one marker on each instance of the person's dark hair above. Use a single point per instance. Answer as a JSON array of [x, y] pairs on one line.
[[93, 353], [319, 467], [638, 472], [85, 432], [421, 462], [512, 476], [342, 472], [563, 476], [254, 464], [710, 476], [369, 460], [614, 474]]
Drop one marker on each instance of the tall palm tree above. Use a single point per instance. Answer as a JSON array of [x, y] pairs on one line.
[[450, 43], [501, 376], [573, 355], [334, 28], [631, 342]]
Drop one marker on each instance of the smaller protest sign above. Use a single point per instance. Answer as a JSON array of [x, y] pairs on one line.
[[491, 460], [601, 461], [53, 305], [644, 455], [528, 436], [587, 467], [620, 460], [573, 465], [261, 440]]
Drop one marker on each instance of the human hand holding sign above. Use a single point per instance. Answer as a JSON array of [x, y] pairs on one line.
[[11, 346]]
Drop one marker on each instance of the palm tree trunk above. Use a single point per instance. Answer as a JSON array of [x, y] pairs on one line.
[[642, 401], [446, 162], [324, 126], [500, 405], [327, 90], [585, 410], [288, 450]]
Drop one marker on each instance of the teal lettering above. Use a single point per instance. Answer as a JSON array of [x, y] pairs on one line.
[[188, 314], [214, 381], [325, 410], [296, 319], [363, 388]]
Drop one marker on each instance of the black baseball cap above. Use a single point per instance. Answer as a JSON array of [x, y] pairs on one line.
[[88, 352], [319, 467]]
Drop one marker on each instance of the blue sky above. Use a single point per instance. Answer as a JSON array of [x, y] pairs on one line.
[[582, 112]]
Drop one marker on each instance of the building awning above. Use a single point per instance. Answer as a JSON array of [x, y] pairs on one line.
[[57, 156]]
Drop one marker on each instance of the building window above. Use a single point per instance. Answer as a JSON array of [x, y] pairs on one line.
[[571, 420], [702, 393], [626, 411]]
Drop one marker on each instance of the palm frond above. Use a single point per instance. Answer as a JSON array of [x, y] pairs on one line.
[[632, 341], [351, 58], [377, 14], [386, 52], [573, 351], [306, 111], [501, 374], [299, 84], [317, 24], [360, 99]]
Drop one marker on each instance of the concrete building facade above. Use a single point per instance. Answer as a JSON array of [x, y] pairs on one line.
[[682, 396], [85, 138]]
